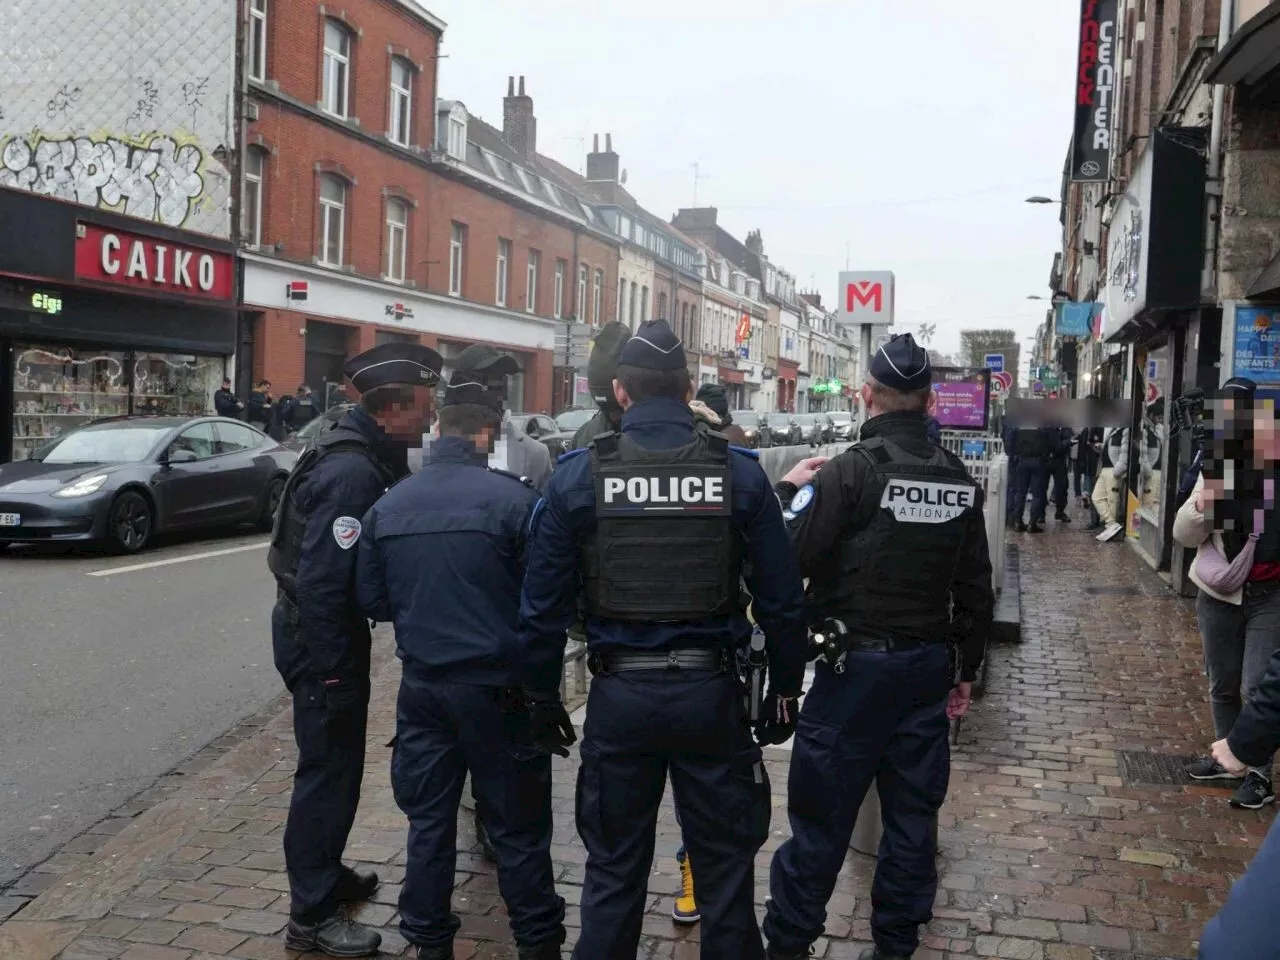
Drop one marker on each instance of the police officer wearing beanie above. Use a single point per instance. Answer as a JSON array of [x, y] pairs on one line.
[[891, 536], [321, 638], [442, 557], [602, 367], [658, 522]]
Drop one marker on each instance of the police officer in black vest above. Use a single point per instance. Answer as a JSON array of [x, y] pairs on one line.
[[891, 536], [442, 557], [602, 366], [657, 523], [320, 636]]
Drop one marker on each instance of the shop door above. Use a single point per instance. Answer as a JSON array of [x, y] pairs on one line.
[[6, 400], [326, 355]]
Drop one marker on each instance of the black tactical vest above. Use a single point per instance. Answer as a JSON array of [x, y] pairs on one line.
[[892, 578], [664, 547], [290, 525]]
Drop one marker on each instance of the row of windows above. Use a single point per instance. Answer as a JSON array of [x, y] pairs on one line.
[[591, 310], [336, 73]]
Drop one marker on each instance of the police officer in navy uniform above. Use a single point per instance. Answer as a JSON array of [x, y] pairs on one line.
[[657, 524], [891, 536], [321, 638], [602, 366], [442, 557]]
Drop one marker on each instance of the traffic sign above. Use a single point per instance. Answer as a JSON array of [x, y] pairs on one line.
[[1050, 381], [994, 362], [1001, 381]]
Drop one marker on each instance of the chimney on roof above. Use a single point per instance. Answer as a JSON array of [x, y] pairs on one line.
[[755, 243], [519, 127], [603, 166]]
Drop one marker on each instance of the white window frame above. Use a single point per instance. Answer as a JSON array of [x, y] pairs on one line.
[[561, 267], [581, 304], [254, 210], [257, 59], [397, 230], [457, 244], [531, 282], [503, 282], [457, 139], [597, 298], [328, 210], [401, 104], [491, 162], [335, 97], [525, 179]]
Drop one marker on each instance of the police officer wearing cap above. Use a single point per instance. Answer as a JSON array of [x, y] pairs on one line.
[[442, 557], [657, 523], [891, 536], [321, 638], [602, 366]]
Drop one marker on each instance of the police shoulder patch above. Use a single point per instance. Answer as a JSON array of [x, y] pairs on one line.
[[569, 455], [746, 451], [802, 499], [346, 531]]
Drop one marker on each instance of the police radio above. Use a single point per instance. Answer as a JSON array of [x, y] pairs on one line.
[[830, 643]]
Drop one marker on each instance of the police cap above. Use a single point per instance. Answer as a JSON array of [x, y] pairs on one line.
[[393, 363], [713, 395], [1237, 388], [481, 386], [602, 365], [485, 361], [902, 365], [654, 347]]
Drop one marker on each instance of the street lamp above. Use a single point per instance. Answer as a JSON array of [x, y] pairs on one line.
[[1042, 200], [1036, 297]]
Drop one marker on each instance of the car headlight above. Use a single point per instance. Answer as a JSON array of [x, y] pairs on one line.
[[82, 487]]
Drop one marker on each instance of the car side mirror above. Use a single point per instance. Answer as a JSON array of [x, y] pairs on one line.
[[180, 456]]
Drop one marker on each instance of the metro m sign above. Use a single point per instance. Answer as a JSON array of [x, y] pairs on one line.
[[866, 298]]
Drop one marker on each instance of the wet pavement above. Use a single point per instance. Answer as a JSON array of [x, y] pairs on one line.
[[1055, 845]]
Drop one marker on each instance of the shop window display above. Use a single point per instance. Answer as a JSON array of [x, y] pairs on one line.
[[58, 388], [175, 385]]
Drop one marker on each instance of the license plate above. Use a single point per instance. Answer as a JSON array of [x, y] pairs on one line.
[[10, 519]]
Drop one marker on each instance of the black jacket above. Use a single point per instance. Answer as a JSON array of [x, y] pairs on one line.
[[259, 410], [226, 404], [1086, 456], [1256, 733]]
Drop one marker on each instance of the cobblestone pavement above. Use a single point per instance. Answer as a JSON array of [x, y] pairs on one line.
[[1048, 851]]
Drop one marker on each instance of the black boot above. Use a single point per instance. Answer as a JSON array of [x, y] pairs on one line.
[[486, 848], [1061, 516], [441, 951], [1035, 528], [542, 951], [336, 937], [355, 886], [875, 953], [773, 953], [1020, 527]]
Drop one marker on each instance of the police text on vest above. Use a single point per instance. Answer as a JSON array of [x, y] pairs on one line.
[[924, 501], [664, 493]]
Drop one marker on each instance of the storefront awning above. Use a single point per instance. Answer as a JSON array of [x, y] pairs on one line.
[[1268, 283], [1252, 56]]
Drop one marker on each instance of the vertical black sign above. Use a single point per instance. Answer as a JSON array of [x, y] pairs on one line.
[[1095, 91]]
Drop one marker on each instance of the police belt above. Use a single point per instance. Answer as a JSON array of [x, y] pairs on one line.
[[881, 645], [716, 659]]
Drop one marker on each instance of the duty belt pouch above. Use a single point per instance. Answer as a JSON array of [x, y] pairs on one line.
[[664, 548]]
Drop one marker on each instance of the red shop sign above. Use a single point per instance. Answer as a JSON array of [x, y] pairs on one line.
[[151, 264]]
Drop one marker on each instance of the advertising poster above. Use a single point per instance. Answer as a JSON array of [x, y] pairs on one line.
[[1257, 344], [961, 398]]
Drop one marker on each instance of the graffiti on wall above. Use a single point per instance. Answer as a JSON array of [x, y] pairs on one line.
[[155, 178]]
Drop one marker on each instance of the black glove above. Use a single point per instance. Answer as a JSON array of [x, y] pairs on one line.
[[778, 716], [550, 725]]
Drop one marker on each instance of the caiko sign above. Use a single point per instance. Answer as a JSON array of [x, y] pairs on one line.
[[866, 297], [152, 265], [1095, 92]]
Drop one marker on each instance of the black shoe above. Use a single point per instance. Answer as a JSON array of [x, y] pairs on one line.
[[1035, 528], [1092, 527], [1255, 793], [1061, 517], [335, 937], [1020, 527], [1208, 768], [486, 848], [875, 953], [354, 886], [542, 951], [773, 953], [441, 951]]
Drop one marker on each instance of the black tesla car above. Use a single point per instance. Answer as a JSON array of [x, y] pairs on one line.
[[125, 479]]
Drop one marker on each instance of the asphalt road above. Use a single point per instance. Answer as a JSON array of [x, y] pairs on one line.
[[107, 682]]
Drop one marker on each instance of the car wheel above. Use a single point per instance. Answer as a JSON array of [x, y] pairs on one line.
[[129, 522], [271, 503]]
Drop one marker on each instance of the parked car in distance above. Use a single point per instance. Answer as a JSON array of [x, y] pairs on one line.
[[749, 421], [124, 479], [812, 428], [543, 429], [781, 430], [297, 442], [841, 427]]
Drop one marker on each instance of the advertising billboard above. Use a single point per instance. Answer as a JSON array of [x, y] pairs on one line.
[[962, 397]]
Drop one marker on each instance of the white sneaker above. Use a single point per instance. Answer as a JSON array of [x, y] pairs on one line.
[[1110, 532]]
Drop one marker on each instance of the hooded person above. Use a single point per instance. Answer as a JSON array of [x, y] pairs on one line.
[[711, 406], [602, 367]]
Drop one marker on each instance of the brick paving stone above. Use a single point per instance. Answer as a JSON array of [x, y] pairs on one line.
[[1046, 853]]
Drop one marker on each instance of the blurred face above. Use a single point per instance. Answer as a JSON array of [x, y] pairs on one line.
[[1266, 443], [406, 420]]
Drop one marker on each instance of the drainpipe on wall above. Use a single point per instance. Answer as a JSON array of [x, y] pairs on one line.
[[1213, 185]]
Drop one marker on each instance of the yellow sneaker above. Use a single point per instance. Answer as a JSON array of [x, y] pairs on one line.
[[686, 907]]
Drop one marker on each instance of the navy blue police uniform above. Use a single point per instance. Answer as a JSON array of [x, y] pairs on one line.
[[891, 536], [321, 642], [442, 557], [655, 524]]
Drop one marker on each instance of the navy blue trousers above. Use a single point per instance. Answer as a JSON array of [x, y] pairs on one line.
[[1061, 484], [883, 719], [1248, 924], [1031, 476], [641, 726], [444, 730]]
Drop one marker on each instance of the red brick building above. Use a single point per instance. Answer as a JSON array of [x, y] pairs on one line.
[[370, 210]]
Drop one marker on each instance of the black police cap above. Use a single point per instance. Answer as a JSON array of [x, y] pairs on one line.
[[481, 358], [902, 364], [393, 363], [1237, 388], [654, 347]]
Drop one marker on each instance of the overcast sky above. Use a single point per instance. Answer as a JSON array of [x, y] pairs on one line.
[[905, 132]]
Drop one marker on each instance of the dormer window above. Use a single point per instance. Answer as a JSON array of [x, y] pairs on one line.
[[452, 127]]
